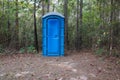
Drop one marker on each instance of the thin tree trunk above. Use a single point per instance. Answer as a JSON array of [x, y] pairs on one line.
[[80, 33], [3, 6], [17, 21], [43, 7], [8, 21], [48, 6], [93, 40], [66, 23], [35, 28], [77, 27], [111, 28], [17, 27], [101, 4], [53, 8]]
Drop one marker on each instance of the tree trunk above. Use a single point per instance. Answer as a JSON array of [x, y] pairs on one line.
[[17, 27], [43, 7], [48, 6], [3, 7], [77, 27], [80, 33], [111, 28], [35, 28], [17, 21], [53, 8], [66, 24], [8, 21]]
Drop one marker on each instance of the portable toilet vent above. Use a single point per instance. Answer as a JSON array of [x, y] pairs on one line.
[[53, 34]]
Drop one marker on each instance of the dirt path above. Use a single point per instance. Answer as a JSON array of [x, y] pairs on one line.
[[75, 66]]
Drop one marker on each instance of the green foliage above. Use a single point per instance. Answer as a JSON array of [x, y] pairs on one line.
[[1, 49], [22, 50], [99, 51], [29, 49]]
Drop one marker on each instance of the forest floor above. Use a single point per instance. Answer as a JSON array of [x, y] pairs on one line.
[[75, 66]]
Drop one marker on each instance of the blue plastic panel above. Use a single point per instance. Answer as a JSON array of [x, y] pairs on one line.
[[53, 34]]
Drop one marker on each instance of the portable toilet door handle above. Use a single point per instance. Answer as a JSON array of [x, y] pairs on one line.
[[56, 36]]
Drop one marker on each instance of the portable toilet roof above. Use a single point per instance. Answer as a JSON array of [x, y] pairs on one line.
[[53, 13]]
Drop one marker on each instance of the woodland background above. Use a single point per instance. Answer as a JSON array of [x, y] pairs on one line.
[[89, 24]]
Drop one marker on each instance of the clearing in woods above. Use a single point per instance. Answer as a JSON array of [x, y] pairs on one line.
[[74, 66]]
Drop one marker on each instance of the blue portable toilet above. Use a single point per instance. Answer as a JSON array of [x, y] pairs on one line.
[[53, 34]]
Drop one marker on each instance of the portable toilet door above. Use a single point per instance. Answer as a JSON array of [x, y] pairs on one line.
[[53, 34]]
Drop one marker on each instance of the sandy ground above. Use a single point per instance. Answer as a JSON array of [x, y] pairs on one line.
[[75, 66]]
